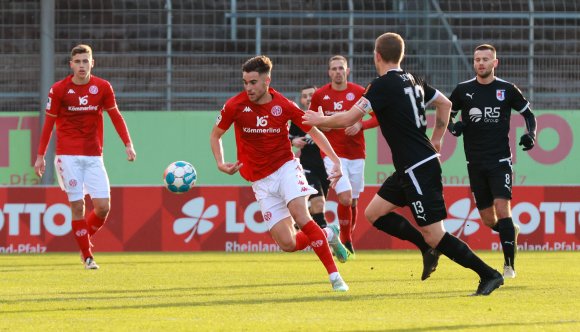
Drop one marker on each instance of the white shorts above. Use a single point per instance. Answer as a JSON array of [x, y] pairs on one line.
[[81, 175], [353, 175], [275, 191]]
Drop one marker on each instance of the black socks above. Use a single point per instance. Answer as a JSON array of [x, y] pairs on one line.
[[459, 252], [507, 237], [319, 219], [398, 226]]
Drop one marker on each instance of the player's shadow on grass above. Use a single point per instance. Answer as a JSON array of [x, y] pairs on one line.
[[486, 326], [249, 297]]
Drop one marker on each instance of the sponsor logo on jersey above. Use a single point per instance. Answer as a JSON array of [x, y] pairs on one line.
[[247, 109], [72, 183], [326, 97], [93, 89], [218, 119], [500, 94], [475, 114], [48, 103], [470, 95], [276, 110], [71, 92], [261, 130], [350, 96], [83, 101], [488, 115]]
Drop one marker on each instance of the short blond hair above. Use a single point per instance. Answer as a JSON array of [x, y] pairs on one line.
[[81, 49]]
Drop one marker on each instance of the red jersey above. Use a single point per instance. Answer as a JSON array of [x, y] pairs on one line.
[[79, 115], [261, 132], [332, 101]]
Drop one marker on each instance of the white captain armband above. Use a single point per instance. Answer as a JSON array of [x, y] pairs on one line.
[[363, 105]]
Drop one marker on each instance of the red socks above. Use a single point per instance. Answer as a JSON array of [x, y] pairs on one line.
[[317, 240], [81, 234], [344, 214], [94, 222], [301, 241]]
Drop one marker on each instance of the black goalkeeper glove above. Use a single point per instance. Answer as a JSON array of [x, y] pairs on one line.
[[528, 141], [457, 129]]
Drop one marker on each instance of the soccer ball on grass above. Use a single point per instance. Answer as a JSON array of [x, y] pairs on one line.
[[179, 177]]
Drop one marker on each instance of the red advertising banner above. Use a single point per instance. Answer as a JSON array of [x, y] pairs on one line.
[[38, 219]]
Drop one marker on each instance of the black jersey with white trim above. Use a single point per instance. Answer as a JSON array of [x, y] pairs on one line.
[[398, 100], [485, 111]]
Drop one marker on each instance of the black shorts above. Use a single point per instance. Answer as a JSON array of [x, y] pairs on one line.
[[490, 181], [420, 189], [317, 178]]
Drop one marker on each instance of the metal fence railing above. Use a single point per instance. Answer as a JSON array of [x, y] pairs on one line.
[[186, 55]]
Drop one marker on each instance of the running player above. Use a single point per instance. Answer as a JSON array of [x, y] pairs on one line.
[[398, 99], [260, 117]]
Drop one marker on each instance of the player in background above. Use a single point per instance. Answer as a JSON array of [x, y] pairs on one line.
[[398, 100], [311, 162], [76, 104], [260, 117], [335, 97], [486, 102]]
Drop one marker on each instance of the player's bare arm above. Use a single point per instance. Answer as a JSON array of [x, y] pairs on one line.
[[442, 111], [322, 142], [339, 120], [215, 140]]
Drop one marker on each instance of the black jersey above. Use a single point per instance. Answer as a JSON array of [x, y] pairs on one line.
[[310, 154], [485, 111], [398, 100]]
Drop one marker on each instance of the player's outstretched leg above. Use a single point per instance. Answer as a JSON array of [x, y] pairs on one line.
[[459, 252], [398, 226], [319, 243]]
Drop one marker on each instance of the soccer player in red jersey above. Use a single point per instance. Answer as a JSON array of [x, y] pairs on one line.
[[260, 117], [76, 104], [335, 97]]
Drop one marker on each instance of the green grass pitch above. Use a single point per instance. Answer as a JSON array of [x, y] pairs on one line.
[[282, 292]]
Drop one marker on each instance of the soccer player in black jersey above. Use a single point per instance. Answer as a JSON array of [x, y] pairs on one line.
[[486, 102], [311, 162], [398, 100]]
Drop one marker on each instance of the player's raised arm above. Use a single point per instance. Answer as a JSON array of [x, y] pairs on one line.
[[339, 120], [215, 141]]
